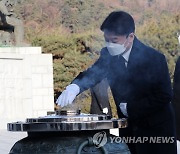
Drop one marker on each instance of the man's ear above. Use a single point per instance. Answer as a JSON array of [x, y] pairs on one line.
[[131, 37]]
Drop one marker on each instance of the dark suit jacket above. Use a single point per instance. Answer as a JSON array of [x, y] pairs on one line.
[[145, 86], [176, 99]]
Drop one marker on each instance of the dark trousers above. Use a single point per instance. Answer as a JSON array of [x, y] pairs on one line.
[[160, 130], [150, 147]]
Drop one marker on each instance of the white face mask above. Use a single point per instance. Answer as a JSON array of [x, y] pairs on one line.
[[115, 48]]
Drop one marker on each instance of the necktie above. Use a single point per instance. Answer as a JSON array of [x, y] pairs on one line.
[[122, 61]]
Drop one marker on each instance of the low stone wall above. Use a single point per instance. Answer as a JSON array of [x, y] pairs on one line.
[[26, 84]]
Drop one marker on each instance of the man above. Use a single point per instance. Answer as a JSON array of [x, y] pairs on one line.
[[7, 17], [176, 99], [140, 83]]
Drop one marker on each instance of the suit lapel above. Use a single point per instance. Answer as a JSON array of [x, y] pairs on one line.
[[135, 55]]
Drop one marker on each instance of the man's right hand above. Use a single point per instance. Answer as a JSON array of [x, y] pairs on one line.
[[68, 95]]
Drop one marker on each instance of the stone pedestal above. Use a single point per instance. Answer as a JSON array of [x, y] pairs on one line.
[[26, 84]]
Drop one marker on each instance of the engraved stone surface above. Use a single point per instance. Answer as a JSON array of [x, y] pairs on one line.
[[10, 24], [26, 79]]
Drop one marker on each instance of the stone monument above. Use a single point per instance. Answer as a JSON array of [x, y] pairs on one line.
[[9, 24], [26, 75], [26, 79]]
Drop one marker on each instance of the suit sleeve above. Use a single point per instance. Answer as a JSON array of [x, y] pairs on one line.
[[176, 89], [93, 75], [176, 86], [160, 93]]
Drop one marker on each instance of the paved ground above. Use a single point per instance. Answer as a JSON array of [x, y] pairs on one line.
[[8, 139]]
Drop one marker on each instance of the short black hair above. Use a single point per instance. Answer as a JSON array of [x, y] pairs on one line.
[[119, 22]]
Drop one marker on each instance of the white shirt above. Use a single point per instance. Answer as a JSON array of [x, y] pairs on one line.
[[126, 56]]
